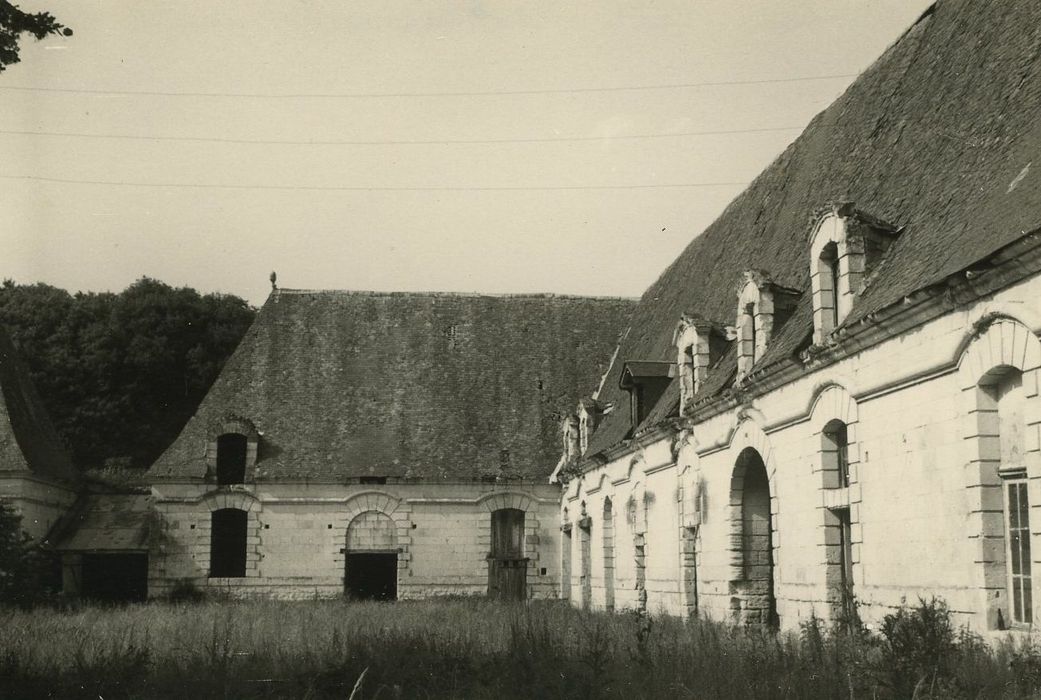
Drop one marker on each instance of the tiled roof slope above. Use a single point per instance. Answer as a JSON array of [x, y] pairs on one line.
[[410, 385], [941, 136], [28, 442]]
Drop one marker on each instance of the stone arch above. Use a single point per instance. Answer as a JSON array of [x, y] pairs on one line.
[[371, 531], [516, 500], [835, 419], [237, 499], [997, 345], [223, 501], [377, 502], [753, 550], [229, 425]]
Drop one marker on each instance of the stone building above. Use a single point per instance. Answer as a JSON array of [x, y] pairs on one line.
[[832, 394], [387, 445]]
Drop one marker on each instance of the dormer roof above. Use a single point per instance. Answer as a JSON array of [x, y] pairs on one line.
[[961, 188]]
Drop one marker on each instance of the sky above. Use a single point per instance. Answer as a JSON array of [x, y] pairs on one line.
[[493, 147]]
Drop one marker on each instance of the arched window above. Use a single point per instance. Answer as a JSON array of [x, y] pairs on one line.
[[1003, 393], [835, 454], [231, 459], [828, 269], [228, 527], [846, 245]]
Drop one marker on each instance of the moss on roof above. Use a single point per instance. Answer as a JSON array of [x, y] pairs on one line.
[[940, 136], [406, 385]]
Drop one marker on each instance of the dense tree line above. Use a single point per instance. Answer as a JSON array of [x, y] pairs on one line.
[[120, 374]]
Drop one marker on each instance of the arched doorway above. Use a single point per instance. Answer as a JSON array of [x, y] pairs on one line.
[[371, 559], [507, 565], [753, 584]]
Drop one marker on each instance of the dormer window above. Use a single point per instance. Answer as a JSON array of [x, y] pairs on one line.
[[846, 245], [645, 382], [589, 412], [762, 308], [231, 453], [699, 344], [231, 459], [570, 436]]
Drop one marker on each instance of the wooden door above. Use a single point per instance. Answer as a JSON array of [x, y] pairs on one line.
[[507, 565]]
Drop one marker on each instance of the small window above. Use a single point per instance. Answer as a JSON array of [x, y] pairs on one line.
[[373, 480], [228, 543], [231, 459]]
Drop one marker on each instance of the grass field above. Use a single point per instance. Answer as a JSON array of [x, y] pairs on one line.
[[480, 649]]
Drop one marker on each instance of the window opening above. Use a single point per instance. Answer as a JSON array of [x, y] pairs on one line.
[[231, 459], [228, 528], [1017, 508]]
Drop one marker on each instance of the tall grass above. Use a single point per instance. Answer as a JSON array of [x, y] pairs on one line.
[[473, 648]]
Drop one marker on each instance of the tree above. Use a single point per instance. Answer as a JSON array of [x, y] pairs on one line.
[[120, 374], [14, 23]]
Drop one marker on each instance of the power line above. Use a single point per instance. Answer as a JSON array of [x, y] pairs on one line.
[[490, 93], [337, 188], [392, 142]]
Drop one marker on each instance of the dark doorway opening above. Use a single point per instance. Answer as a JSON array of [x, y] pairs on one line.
[[372, 576], [228, 543], [115, 578]]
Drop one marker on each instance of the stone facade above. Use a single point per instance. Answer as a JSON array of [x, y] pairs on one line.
[[924, 493], [299, 536]]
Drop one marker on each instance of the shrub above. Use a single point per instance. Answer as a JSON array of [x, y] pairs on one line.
[[919, 647]]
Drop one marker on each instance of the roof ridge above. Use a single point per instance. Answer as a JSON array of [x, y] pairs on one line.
[[451, 295]]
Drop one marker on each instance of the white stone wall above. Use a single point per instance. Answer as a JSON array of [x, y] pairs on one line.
[[923, 499], [39, 502], [297, 538]]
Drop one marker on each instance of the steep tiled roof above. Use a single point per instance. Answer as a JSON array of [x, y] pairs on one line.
[[940, 137], [432, 386], [28, 441]]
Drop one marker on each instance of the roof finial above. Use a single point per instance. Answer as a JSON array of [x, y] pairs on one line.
[[274, 279]]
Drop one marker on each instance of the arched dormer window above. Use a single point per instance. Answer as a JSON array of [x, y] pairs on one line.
[[231, 453], [846, 245], [699, 344], [762, 308], [231, 459]]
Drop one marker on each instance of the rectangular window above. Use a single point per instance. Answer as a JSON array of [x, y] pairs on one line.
[[846, 553], [1017, 537]]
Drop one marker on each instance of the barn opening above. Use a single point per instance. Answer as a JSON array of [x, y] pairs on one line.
[[231, 459], [507, 565], [114, 577], [371, 561], [228, 529]]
